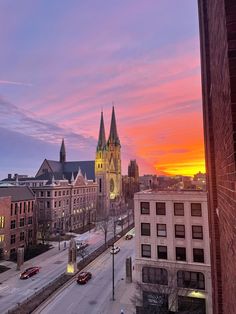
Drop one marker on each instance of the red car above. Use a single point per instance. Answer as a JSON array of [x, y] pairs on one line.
[[84, 277], [29, 272]]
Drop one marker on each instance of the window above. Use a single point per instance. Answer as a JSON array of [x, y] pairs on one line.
[[160, 208], [2, 237], [145, 229], [20, 209], [59, 193], [179, 209], [22, 222], [59, 203], [41, 193], [179, 231], [146, 250], [196, 209], [180, 253], [16, 206], [55, 204], [28, 207], [30, 220], [13, 238], [13, 224], [55, 193], [11, 209], [197, 232], [145, 208], [67, 192], [162, 252], [161, 230], [30, 233], [48, 193], [155, 275], [100, 185], [48, 205], [22, 236], [198, 255], [2, 222], [24, 207], [193, 280]]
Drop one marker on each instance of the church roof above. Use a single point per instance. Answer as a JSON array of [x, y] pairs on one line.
[[102, 137], [113, 137], [64, 170]]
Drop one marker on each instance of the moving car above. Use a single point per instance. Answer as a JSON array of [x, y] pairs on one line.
[[84, 277], [128, 236], [29, 272], [81, 245], [114, 250]]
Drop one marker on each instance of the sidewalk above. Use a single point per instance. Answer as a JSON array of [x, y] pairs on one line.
[[124, 299], [32, 262]]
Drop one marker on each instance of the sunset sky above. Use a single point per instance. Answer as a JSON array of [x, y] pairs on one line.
[[63, 61]]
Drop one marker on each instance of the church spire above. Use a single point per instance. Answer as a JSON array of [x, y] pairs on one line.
[[113, 137], [62, 152], [102, 137]]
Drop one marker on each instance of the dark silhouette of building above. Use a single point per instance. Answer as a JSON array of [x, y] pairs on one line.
[[133, 171], [130, 183], [218, 61]]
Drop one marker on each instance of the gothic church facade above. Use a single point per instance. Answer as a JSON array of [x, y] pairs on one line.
[[108, 169]]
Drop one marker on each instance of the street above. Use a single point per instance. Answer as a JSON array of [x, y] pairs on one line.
[[14, 290], [94, 296]]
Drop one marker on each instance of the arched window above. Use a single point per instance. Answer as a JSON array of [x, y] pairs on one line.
[[190, 279], [155, 275], [100, 185]]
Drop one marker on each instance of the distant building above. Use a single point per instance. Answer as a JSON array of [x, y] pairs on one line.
[[18, 219], [108, 169], [172, 250], [217, 21], [130, 183], [148, 181]]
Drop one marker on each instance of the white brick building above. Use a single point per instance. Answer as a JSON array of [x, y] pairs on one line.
[[172, 249]]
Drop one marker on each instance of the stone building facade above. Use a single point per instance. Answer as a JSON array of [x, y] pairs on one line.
[[218, 61], [172, 250]]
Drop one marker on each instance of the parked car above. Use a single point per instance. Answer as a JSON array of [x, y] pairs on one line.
[[84, 277], [81, 245], [114, 250], [128, 236], [29, 272]]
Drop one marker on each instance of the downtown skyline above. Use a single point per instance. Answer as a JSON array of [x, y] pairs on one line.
[[62, 64]]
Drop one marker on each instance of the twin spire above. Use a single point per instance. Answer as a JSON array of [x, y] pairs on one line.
[[113, 136]]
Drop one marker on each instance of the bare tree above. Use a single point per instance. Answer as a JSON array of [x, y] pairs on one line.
[[159, 293], [103, 224], [44, 229]]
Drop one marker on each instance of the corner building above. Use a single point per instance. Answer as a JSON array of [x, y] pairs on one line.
[[172, 251], [217, 19]]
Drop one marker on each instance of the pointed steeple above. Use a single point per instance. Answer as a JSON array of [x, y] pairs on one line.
[[113, 137], [102, 137], [62, 152]]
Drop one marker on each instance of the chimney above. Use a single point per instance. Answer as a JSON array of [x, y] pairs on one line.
[[9, 176]]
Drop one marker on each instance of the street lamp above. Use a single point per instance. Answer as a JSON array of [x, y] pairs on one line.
[[113, 273]]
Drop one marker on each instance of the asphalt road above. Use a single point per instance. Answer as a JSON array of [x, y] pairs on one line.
[[14, 290], [93, 296]]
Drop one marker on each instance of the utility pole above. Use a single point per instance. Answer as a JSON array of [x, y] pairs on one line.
[[113, 273]]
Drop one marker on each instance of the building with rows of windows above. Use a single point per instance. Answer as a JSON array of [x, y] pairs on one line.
[[172, 250], [17, 219]]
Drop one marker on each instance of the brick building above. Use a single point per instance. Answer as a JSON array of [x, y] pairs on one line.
[[218, 60], [17, 219]]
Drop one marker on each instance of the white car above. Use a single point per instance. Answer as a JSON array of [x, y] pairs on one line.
[[115, 250], [81, 245]]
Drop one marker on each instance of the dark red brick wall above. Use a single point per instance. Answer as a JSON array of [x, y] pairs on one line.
[[218, 57]]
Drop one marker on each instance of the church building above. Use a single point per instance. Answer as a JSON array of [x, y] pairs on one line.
[[108, 169]]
